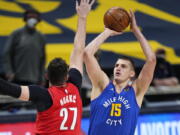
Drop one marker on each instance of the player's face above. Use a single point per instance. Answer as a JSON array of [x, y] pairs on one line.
[[123, 70]]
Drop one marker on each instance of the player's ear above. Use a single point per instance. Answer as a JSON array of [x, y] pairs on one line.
[[132, 74], [66, 77]]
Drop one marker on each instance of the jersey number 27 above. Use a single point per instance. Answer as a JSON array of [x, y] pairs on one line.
[[64, 112]]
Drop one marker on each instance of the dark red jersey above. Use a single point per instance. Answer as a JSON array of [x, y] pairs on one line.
[[64, 116]]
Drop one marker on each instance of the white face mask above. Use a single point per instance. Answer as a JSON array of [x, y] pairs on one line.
[[31, 22]]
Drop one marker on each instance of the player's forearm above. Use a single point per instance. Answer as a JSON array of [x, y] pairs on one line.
[[79, 41], [148, 52], [9, 89], [93, 46]]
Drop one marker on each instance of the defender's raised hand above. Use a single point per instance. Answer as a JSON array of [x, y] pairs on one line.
[[84, 7]]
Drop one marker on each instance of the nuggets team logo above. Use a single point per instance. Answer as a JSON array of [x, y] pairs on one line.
[[126, 88]]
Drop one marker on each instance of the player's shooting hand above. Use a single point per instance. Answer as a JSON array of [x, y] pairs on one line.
[[112, 32], [84, 7], [133, 24]]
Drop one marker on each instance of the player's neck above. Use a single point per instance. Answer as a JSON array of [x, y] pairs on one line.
[[120, 85], [62, 85]]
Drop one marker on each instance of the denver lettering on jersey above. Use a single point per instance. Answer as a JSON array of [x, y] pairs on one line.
[[68, 99], [109, 101]]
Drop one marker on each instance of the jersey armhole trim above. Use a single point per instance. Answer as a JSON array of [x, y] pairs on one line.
[[133, 89], [110, 83]]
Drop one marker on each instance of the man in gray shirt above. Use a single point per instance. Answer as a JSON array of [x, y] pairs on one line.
[[24, 52]]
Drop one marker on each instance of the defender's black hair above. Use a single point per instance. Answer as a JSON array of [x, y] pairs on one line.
[[57, 71]]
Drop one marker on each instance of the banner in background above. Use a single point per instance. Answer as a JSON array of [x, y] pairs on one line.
[[158, 124], [27, 128], [148, 124]]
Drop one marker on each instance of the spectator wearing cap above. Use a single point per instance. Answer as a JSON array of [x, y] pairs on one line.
[[164, 74], [24, 52]]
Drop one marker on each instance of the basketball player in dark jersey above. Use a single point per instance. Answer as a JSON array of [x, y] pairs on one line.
[[59, 107], [115, 105]]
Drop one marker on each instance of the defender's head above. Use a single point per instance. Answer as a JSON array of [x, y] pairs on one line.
[[57, 71], [124, 69]]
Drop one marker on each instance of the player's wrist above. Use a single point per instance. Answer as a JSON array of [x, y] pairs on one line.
[[82, 17], [107, 30]]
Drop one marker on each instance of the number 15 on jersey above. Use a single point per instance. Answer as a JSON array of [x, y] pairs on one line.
[[115, 110]]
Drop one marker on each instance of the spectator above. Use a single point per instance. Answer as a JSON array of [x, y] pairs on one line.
[[24, 52], [164, 75]]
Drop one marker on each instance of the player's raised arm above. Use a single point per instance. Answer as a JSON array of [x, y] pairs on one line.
[[98, 78], [83, 10], [145, 77]]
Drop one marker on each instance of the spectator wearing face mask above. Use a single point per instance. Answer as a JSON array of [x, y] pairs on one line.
[[24, 52]]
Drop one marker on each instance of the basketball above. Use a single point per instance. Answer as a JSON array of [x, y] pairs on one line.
[[116, 19]]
